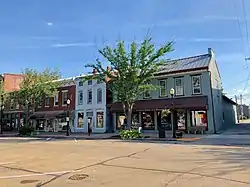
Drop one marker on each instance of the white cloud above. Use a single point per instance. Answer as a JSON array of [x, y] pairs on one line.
[[87, 44], [208, 39], [191, 20], [49, 23]]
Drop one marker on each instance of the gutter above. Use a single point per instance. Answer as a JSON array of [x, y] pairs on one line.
[[211, 91]]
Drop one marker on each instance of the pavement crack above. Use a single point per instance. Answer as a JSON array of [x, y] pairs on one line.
[[178, 172], [20, 169], [92, 165]]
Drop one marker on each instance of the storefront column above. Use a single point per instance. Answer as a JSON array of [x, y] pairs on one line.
[[155, 120], [188, 119], [140, 119], [114, 121]]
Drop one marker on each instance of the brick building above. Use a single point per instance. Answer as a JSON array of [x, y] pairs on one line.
[[51, 115]]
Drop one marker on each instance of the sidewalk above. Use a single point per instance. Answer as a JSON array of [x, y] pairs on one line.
[[148, 136]]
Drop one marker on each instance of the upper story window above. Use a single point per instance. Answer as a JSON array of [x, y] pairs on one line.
[[64, 97], [80, 83], [179, 86], [12, 104], [98, 81], [89, 97], [163, 88], [146, 94], [196, 84], [39, 103], [99, 95], [80, 97], [56, 99], [47, 101], [89, 82]]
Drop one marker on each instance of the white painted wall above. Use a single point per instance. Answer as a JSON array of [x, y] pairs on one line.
[[93, 107]]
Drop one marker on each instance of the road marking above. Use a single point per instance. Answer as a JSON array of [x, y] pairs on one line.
[[75, 139], [48, 139], [38, 174]]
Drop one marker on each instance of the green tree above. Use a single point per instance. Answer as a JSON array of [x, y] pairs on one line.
[[131, 71], [34, 87]]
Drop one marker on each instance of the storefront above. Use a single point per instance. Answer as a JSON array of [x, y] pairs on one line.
[[53, 121], [90, 120], [152, 114]]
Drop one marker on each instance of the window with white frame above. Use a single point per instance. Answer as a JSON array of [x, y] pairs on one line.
[[146, 94], [99, 119], [163, 88], [196, 84], [98, 81], [179, 86], [80, 97], [80, 83], [56, 99], [64, 97], [89, 82], [47, 101], [89, 97], [99, 95], [12, 104]]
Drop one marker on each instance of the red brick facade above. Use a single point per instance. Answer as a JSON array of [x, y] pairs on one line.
[[71, 90]]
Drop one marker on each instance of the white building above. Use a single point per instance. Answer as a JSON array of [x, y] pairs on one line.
[[90, 110]]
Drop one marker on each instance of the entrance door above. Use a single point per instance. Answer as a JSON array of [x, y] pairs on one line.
[[90, 123]]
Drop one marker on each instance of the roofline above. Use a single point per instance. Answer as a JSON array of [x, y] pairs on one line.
[[182, 71], [184, 58], [229, 100], [15, 74]]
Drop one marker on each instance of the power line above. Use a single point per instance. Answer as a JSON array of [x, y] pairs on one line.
[[245, 16]]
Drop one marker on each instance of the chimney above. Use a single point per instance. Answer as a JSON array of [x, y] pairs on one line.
[[211, 52], [94, 71]]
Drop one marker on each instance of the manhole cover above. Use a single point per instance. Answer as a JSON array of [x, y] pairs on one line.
[[28, 181], [78, 177]]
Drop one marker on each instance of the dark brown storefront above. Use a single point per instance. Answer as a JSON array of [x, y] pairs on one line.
[[150, 114]]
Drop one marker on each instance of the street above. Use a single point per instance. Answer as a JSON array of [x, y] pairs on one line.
[[115, 163]]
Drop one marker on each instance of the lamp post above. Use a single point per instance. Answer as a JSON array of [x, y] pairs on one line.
[[67, 118], [2, 108], [172, 92]]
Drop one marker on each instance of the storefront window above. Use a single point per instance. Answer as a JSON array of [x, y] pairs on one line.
[[40, 124], [121, 121], [148, 120], [166, 119], [80, 120], [99, 120], [135, 120], [181, 120], [199, 118]]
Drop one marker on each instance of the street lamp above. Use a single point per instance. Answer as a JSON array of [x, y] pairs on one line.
[[67, 118], [172, 92], [2, 108]]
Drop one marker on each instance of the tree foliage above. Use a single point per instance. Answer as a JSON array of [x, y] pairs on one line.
[[131, 71], [35, 86]]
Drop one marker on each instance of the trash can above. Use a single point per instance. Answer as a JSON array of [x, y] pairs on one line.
[[161, 132]]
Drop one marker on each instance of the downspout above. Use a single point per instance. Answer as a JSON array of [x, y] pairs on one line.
[[211, 92]]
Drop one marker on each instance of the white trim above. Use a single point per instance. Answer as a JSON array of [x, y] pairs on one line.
[[163, 80], [182, 85], [64, 91], [199, 87], [104, 119], [57, 93]]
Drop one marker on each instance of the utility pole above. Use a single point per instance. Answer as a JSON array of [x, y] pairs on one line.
[[241, 107], [237, 109]]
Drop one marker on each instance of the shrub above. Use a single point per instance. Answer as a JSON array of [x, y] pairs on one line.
[[129, 134], [26, 131]]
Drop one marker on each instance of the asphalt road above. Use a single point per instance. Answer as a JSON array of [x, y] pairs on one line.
[[114, 163]]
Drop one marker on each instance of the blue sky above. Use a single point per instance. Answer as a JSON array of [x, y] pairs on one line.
[[66, 34]]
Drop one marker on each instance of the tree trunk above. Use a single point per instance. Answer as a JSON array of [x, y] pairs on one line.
[[129, 118], [128, 108]]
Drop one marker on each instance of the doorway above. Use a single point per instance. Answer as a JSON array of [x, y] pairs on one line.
[[90, 123]]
